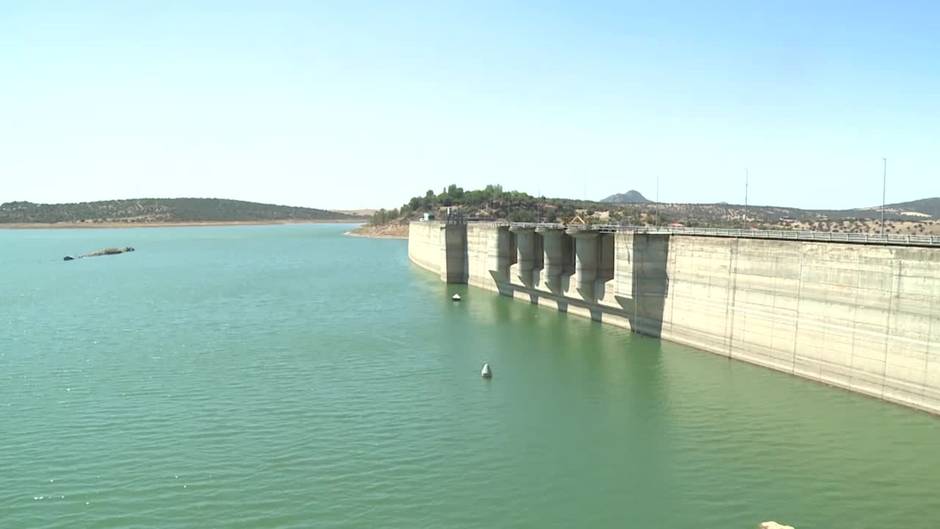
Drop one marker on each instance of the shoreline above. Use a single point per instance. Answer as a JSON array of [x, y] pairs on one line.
[[384, 231], [375, 236], [112, 225]]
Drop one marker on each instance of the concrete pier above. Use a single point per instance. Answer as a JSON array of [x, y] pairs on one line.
[[586, 261], [554, 248], [525, 255], [454, 254], [861, 316]]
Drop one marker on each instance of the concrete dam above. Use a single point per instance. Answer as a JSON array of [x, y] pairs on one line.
[[858, 314]]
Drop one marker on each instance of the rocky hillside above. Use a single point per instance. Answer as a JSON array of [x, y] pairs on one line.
[[630, 197]]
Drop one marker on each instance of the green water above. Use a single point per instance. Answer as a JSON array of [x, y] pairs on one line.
[[288, 376]]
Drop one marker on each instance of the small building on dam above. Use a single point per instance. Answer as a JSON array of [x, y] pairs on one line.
[[857, 313]]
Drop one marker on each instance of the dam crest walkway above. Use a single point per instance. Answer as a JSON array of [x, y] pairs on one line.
[[787, 235]]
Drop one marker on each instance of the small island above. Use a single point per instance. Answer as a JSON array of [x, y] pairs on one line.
[[103, 251]]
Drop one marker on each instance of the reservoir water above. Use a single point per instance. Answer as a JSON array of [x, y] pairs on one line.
[[291, 377]]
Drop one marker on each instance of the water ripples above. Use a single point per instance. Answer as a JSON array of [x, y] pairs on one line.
[[186, 389]]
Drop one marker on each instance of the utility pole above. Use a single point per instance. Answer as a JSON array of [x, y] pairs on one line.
[[884, 189], [657, 200], [746, 177]]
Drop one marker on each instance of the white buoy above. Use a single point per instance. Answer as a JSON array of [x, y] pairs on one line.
[[486, 372], [455, 297]]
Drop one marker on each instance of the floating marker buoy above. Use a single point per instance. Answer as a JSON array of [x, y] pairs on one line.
[[455, 297], [486, 372]]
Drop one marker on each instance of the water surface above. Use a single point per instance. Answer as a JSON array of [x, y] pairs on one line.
[[287, 376]]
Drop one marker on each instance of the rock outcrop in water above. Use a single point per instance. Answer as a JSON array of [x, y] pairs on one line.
[[103, 251]]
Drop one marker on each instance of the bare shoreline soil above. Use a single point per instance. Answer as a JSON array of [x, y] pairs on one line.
[[386, 231]]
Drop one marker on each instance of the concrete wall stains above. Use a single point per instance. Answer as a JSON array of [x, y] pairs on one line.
[[858, 316]]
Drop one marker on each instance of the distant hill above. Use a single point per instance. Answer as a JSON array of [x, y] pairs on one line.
[[926, 206], [919, 217], [630, 197], [358, 212], [161, 210]]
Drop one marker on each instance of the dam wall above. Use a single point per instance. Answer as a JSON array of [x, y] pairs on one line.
[[864, 317], [439, 248], [424, 245]]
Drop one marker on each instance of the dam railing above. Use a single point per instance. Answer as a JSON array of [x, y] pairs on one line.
[[792, 235]]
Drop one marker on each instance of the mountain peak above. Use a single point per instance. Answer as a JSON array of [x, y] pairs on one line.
[[630, 197]]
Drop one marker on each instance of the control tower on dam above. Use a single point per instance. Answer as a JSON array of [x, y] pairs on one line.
[[861, 313]]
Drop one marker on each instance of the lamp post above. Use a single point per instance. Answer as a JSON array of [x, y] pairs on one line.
[[884, 189], [746, 177], [657, 208]]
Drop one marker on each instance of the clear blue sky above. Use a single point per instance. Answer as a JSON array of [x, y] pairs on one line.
[[364, 104]]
